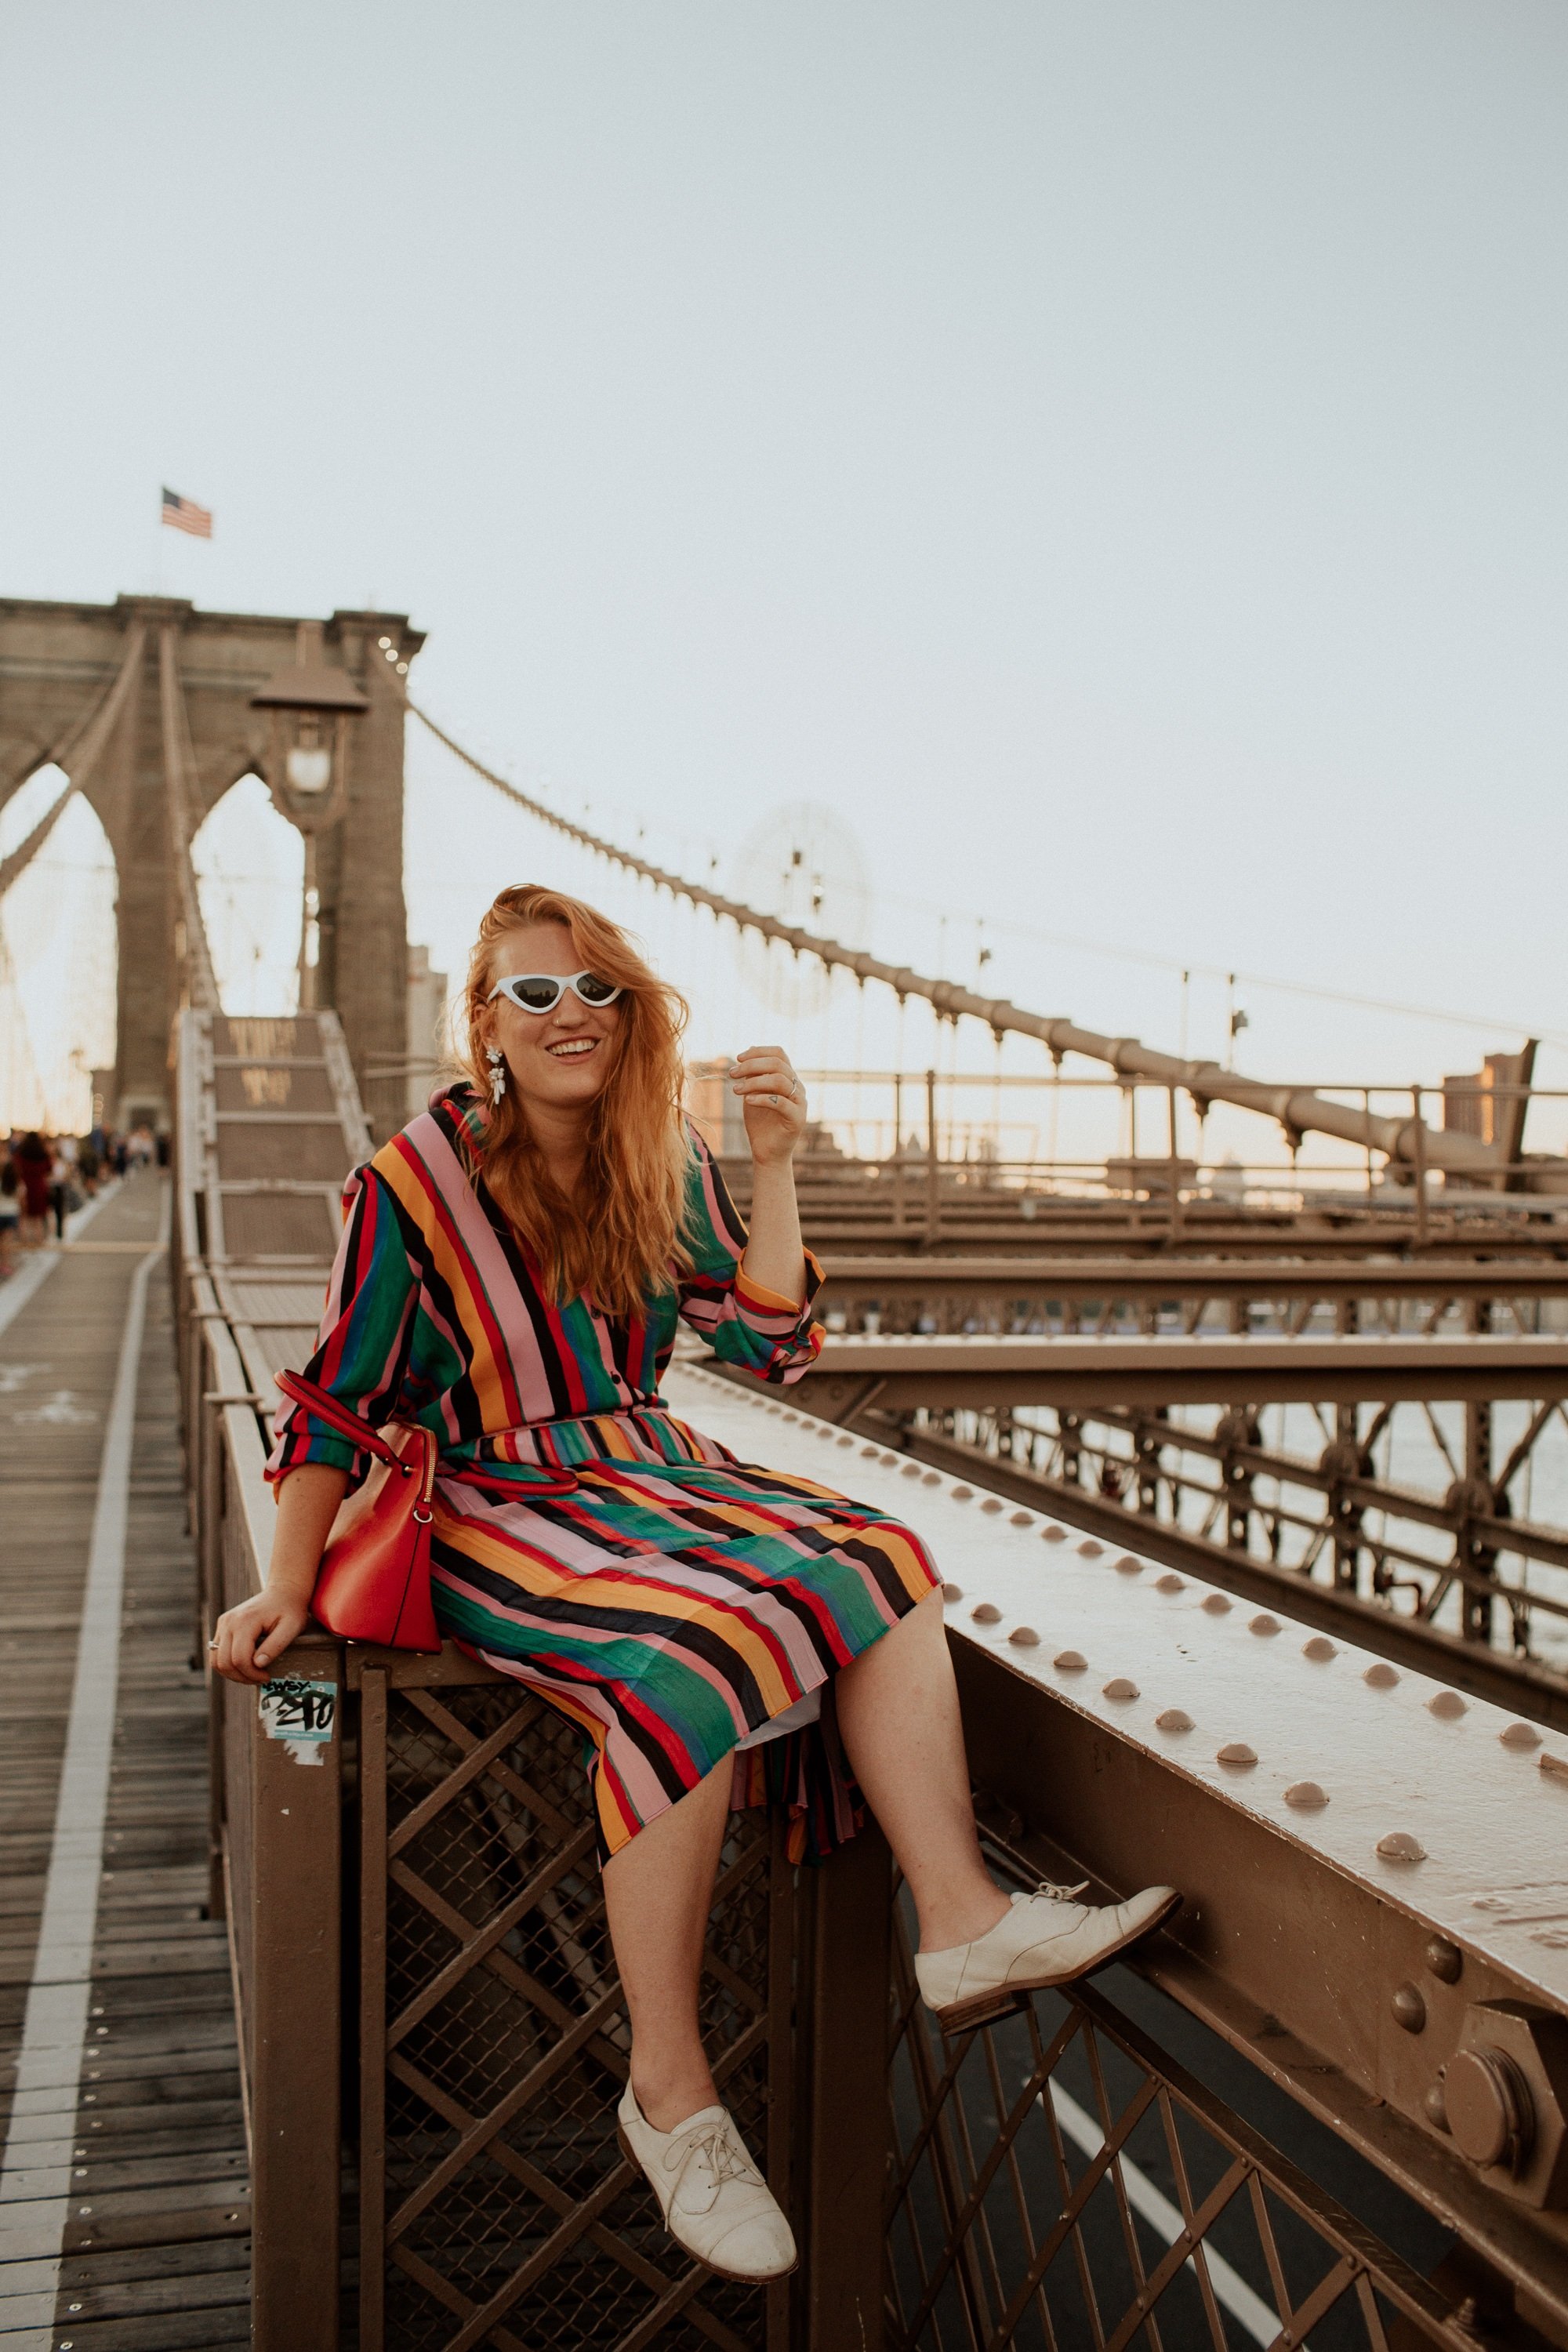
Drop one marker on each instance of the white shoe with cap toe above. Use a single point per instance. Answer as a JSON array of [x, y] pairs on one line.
[[714, 2201], [1041, 1940]]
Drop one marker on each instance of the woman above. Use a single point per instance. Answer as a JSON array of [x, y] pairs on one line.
[[512, 1270]]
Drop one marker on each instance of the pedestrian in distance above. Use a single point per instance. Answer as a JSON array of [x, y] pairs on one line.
[[10, 1211], [62, 1183], [35, 1170], [513, 1267]]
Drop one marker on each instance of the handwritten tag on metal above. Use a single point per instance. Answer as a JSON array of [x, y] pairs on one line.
[[302, 1713]]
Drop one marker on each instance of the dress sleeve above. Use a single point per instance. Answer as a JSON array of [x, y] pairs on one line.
[[362, 1347], [741, 1322]]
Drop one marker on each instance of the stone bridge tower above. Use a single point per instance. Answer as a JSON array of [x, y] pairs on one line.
[[61, 663]]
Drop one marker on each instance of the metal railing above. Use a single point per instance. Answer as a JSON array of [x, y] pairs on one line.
[[1025, 2208]]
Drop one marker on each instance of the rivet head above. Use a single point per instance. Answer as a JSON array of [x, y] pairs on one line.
[[1519, 1734], [1120, 1687], [1400, 1846], [1022, 1519], [1319, 1649], [1025, 1637], [1218, 1604], [952, 1591], [1380, 1676], [931, 1479], [1071, 1661], [1053, 1534], [1171, 1584], [1175, 1718], [1263, 1624], [868, 1453], [1408, 2008], [1128, 1566], [1090, 1548], [911, 1470], [1237, 1753], [845, 1439], [986, 1615], [1448, 1704], [1435, 2107], [964, 1494], [1306, 1796], [992, 1503], [1446, 1960]]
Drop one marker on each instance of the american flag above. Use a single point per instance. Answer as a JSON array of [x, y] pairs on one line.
[[184, 514]]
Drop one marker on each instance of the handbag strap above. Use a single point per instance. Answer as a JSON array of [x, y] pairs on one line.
[[322, 1405]]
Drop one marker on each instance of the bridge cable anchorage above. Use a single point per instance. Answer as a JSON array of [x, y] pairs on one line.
[[78, 752], [1407, 1141], [179, 769]]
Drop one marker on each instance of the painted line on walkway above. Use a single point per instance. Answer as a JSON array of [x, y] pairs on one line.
[[1249, 2310], [35, 2171], [37, 1269]]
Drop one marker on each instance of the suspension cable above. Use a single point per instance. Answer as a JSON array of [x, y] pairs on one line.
[[1297, 1110]]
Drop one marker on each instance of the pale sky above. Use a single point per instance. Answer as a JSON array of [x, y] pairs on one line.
[[1112, 454]]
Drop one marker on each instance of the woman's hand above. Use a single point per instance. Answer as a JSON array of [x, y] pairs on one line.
[[772, 1101], [251, 1637]]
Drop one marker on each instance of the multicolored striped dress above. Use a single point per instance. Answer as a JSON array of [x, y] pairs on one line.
[[673, 1601]]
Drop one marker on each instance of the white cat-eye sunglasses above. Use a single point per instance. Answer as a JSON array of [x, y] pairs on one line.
[[540, 991]]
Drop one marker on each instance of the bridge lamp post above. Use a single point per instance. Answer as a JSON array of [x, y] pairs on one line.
[[313, 708]]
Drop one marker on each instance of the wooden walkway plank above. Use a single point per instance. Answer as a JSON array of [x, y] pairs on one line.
[[156, 2251]]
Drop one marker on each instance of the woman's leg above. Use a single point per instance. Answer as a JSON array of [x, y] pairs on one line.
[[659, 1891], [898, 1712]]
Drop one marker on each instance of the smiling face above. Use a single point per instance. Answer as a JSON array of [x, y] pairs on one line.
[[560, 1060]]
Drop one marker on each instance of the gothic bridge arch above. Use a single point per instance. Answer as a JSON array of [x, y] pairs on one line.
[[79, 684]]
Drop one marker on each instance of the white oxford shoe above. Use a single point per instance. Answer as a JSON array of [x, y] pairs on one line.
[[1046, 1938], [714, 2201]]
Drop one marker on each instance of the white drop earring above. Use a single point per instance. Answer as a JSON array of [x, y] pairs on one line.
[[497, 1061]]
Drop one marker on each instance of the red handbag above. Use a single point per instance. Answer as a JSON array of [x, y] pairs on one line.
[[374, 1583]]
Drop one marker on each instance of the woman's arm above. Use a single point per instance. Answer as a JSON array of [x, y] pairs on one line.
[[773, 1102], [251, 1636]]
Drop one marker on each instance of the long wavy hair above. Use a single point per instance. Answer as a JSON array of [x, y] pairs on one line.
[[616, 1242]]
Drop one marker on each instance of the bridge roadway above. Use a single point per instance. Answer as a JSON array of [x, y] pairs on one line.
[[123, 2200]]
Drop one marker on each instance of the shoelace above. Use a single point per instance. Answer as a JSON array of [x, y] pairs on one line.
[[1060, 1894], [726, 2159]]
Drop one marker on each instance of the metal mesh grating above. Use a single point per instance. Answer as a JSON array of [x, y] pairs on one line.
[[505, 2214], [1058, 2182]]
